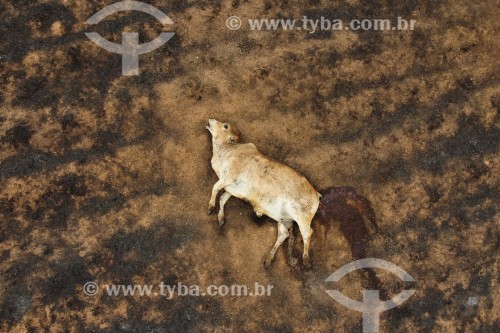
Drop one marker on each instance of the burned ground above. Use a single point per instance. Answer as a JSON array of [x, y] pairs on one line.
[[106, 178]]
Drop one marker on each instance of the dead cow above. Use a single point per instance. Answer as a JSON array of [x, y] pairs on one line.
[[272, 188]]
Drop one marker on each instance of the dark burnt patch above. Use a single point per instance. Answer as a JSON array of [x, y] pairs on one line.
[[381, 126], [474, 208], [18, 136], [144, 247], [247, 44], [33, 91], [189, 313], [25, 163], [484, 328], [495, 102], [32, 161], [433, 193], [68, 121], [333, 58], [216, 5], [394, 168], [84, 79], [426, 308], [15, 305], [10, 228], [435, 121], [371, 44], [57, 204], [7, 207], [99, 205], [67, 279], [380, 123], [18, 27], [105, 143], [48, 13], [471, 140], [17, 297], [235, 3], [329, 14], [60, 289]]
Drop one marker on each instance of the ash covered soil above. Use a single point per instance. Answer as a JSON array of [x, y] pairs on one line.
[[106, 178]]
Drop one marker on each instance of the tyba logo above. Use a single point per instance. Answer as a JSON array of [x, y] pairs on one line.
[[371, 307], [130, 49]]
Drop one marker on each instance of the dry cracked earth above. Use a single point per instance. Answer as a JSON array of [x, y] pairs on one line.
[[106, 178]]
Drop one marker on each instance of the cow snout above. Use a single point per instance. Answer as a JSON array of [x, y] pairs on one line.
[[210, 124]]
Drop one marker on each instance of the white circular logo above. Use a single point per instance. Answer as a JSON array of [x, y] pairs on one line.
[[233, 22], [90, 288]]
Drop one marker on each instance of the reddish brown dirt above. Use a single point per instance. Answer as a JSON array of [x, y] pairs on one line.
[[107, 178]]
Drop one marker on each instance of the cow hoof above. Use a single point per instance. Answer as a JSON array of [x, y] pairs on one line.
[[306, 262], [211, 210], [221, 223], [267, 263]]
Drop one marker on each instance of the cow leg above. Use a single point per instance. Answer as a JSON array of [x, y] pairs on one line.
[[223, 199], [216, 189], [282, 235], [306, 232]]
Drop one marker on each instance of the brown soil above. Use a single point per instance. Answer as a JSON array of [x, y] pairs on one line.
[[107, 178]]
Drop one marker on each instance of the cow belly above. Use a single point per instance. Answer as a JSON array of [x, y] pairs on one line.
[[275, 208], [278, 210]]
